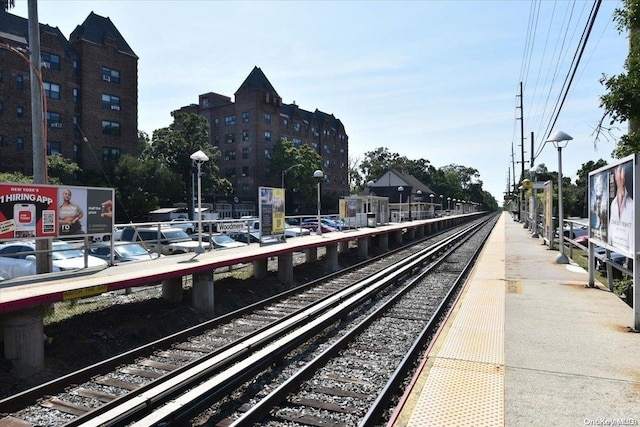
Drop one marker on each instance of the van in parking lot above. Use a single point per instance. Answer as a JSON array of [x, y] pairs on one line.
[[165, 240]]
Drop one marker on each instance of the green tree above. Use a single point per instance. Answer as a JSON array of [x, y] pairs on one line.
[[286, 155], [142, 186], [172, 146], [622, 103], [61, 170]]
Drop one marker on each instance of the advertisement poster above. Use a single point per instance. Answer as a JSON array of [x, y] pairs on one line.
[[27, 211], [271, 211], [611, 208], [39, 211]]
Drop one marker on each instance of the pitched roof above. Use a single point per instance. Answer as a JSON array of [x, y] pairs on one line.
[[257, 81], [97, 29], [17, 28]]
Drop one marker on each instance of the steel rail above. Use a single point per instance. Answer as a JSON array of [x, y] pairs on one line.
[[182, 406]]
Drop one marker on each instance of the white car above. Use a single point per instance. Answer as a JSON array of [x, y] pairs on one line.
[[10, 268], [64, 255], [181, 223]]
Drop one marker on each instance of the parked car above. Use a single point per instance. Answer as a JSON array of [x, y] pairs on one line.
[[616, 257], [575, 231], [295, 231], [122, 252], [65, 256], [253, 237], [312, 225], [181, 223], [115, 235], [10, 267], [218, 241], [172, 240]]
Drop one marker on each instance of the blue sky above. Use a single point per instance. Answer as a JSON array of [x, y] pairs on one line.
[[436, 80]]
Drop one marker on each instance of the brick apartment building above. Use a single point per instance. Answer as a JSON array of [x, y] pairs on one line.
[[91, 87], [246, 131]]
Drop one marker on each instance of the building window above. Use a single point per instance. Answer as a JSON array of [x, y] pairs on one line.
[[111, 76], [245, 190], [75, 91], [267, 118], [229, 138], [230, 155], [110, 154], [111, 102], [245, 171], [110, 128], [245, 153], [1, 109], [19, 143], [216, 122], [297, 142], [52, 90], [285, 123], [296, 127], [314, 145], [245, 135], [267, 135], [0, 76], [216, 140], [267, 154], [1, 141], [245, 117], [19, 112], [327, 149], [75, 68], [230, 120], [19, 81], [230, 172], [54, 119], [54, 148], [327, 164], [50, 61], [75, 156]]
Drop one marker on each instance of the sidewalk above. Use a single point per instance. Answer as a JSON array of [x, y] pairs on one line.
[[570, 358]]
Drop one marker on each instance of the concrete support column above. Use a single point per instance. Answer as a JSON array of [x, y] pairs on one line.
[[332, 257], [363, 247], [411, 233], [311, 255], [383, 242], [343, 247], [420, 231], [260, 268], [203, 297], [172, 290], [398, 236], [24, 340], [285, 268]]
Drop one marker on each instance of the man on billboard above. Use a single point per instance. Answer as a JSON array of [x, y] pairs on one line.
[[621, 212]]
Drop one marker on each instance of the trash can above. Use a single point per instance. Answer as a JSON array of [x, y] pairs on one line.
[[371, 220]]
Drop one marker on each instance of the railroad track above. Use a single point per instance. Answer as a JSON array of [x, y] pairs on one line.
[[218, 355]]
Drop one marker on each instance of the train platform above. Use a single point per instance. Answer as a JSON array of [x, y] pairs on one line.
[[528, 344]]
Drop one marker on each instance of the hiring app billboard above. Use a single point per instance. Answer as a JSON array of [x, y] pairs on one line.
[[29, 211]]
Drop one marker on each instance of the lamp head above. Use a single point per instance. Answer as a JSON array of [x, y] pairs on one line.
[[559, 139], [199, 156]]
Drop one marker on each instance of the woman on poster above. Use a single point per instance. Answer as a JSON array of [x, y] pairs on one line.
[[621, 214], [69, 215]]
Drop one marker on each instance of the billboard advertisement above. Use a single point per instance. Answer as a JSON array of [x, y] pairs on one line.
[[611, 208], [272, 217], [29, 211]]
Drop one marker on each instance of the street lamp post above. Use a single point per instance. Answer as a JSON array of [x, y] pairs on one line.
[[449, 204], [441, 200], [560, 140], [431, 196], [284, 172], [199, 157], [319, 175], [400, 190]]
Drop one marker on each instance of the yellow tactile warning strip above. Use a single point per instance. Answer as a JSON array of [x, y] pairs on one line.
[[465, 383]]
